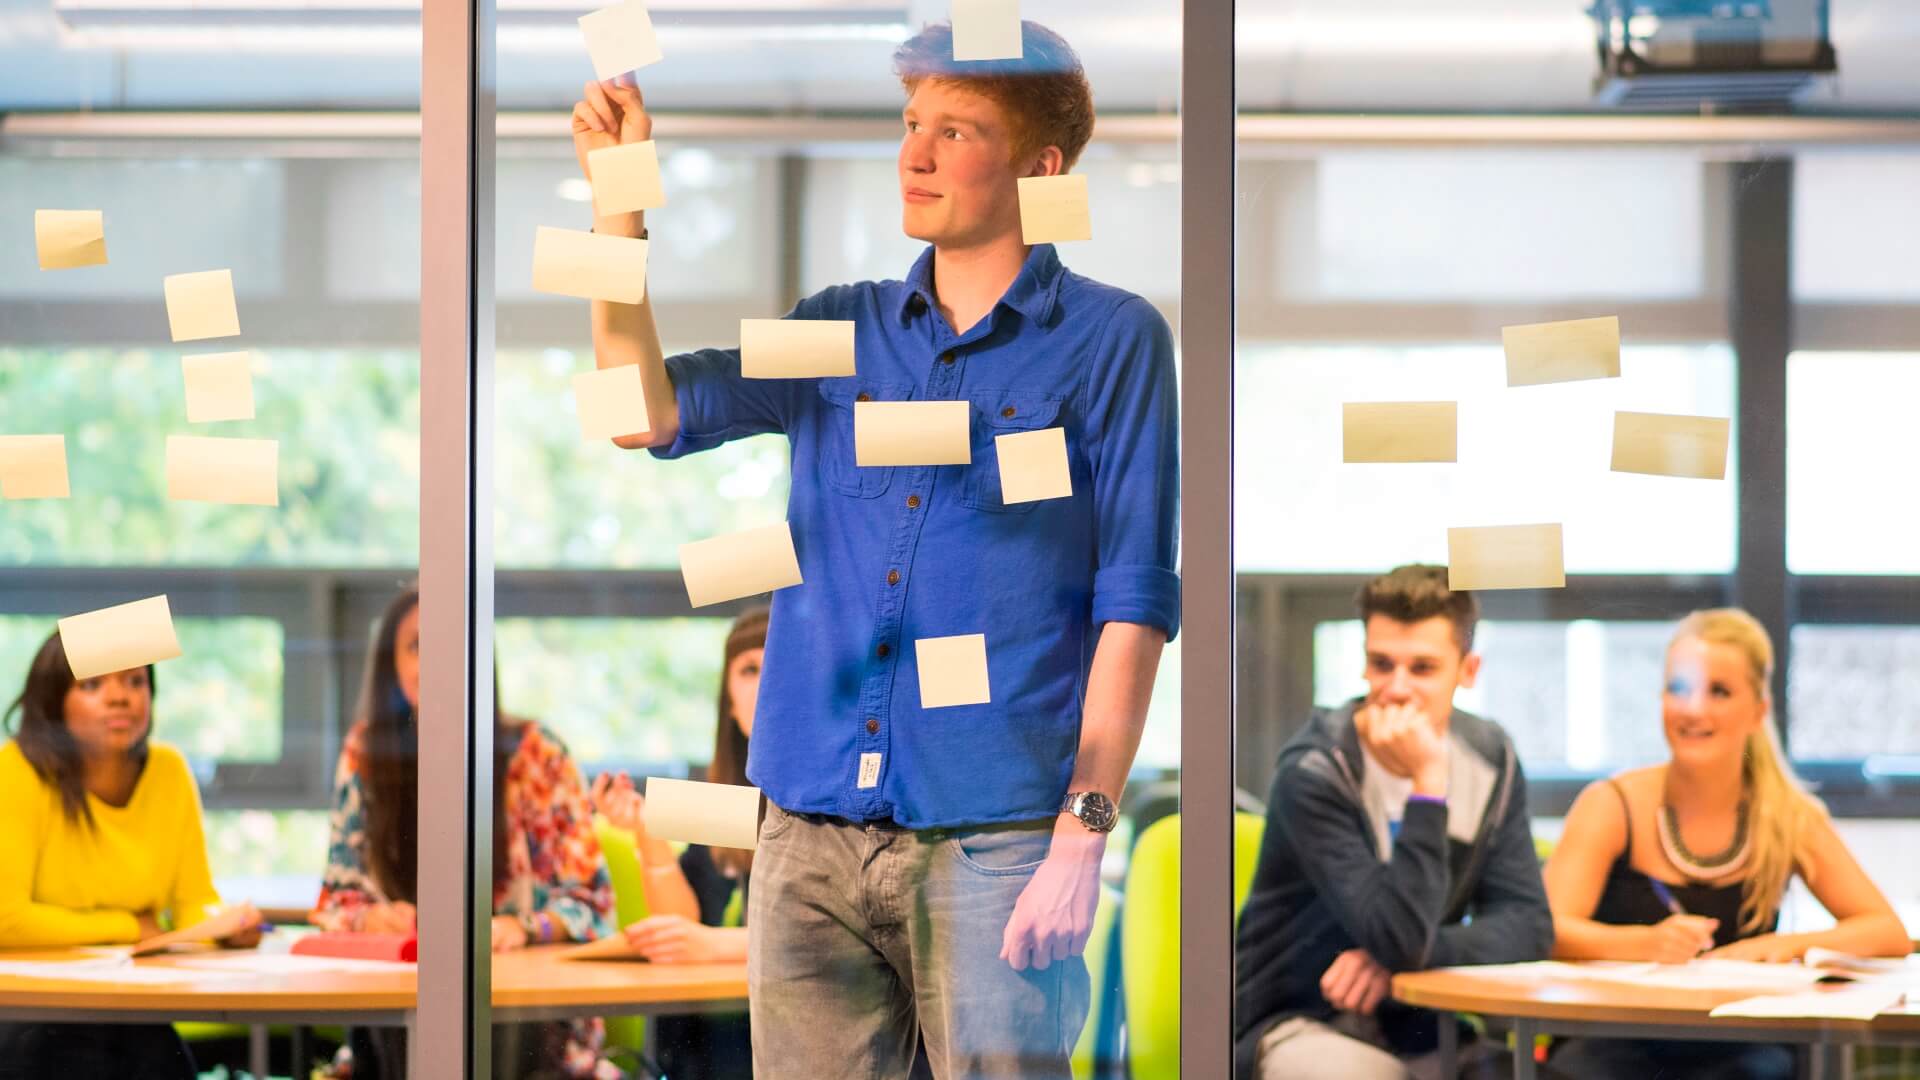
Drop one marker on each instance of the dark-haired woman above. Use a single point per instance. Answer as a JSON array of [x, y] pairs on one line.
[[698, 900], [103, 845], [550, 881]]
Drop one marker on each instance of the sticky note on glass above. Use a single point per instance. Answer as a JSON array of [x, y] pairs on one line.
[[33, 466], [690, 812], [1506, 557], [69, 239], [1662, 445], [912, 433], [953, 671], [119, 638], [745, 563], [986, 30], [1562, 351], [201, 306], [1053, 209], [796, 348], [244, 471], [1380, 432], [625, 178], [620, 39], [589, 265], [219, 386], [612, 402], [1033, 465]]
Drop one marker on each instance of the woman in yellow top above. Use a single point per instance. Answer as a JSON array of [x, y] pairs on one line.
[[104, 846]]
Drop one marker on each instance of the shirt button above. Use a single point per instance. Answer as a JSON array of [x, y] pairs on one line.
[[893, 577], [863, 396], [913, 502], [947, 359], [1007, 412], [884, 650], [873, 726]]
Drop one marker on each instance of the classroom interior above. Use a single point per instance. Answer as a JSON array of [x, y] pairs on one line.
[[1409, 178]]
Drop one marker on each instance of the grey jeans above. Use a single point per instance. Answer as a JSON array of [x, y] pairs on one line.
[[863, 937]]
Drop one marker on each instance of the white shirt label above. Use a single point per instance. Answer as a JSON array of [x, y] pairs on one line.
[[869, 770]]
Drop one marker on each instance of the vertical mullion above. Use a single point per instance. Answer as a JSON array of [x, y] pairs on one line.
[[452, 1029], [1760, 314], [1206, 433]]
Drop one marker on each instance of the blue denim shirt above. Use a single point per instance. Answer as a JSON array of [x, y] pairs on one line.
[[891, 555]]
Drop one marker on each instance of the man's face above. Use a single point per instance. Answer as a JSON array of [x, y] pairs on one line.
[[1416, 663], [958, 186]]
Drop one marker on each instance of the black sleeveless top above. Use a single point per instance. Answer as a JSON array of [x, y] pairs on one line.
[[1629, 900]]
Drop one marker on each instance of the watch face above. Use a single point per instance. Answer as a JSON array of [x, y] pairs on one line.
[[1096, 811]]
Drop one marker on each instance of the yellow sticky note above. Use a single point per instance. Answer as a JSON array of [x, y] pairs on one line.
[[1506, 557], [588, 265], [953, 671], [796, 348], [201, 306], [67, 239], [1663, 445], [691, 812], [986, 30], [33, 466], [745, 563], [1375, 432], [612, 402], [625, 178], [244, 471], [219, 386], [119, 638], [1562, 351], [1033, 465], [912, 433], [620, 39], [1053, 209]]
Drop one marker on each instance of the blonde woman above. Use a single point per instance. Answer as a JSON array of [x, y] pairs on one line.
[[1693, 856]]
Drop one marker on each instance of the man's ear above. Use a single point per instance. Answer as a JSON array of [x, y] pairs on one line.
[[1049, 162], [1469, 670]]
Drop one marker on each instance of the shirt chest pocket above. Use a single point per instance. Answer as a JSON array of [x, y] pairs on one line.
[[997, 413], [836, 435]]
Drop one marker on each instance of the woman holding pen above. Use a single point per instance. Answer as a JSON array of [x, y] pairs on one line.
[[1693, 856]]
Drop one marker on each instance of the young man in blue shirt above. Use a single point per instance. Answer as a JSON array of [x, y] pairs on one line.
[[934, 872]]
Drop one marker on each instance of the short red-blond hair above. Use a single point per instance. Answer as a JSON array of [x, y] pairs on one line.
[[1044, 93]]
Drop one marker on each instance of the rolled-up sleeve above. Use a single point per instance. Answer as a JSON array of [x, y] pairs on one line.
[[1133, 416], [719, 405]]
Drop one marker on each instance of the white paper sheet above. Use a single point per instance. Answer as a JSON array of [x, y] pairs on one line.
[[717, 815]]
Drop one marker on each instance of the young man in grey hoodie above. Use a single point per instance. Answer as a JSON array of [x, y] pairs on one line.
[[1397, 840]]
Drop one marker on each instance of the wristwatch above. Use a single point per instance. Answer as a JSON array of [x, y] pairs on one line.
[[1094, 810]]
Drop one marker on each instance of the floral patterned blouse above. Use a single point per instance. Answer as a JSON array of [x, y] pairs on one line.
[[553, 861]]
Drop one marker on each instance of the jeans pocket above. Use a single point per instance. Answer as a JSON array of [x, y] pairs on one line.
[[1002, 852], [776, 823]]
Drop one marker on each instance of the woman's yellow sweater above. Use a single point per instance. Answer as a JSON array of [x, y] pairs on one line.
[[63, 882]]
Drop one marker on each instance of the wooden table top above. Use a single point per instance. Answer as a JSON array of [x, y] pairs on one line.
[[1575, 999], [530, 978]]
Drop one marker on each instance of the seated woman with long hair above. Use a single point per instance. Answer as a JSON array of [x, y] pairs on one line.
[[550, 881], [1693, 856], [698, 898], [104, 846]]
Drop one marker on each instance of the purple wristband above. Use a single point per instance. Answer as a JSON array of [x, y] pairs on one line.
[[1435, 800]]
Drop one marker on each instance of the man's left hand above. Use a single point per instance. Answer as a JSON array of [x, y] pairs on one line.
[[1053, 918], [1355, 982]]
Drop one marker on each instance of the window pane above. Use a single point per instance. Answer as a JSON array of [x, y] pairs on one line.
[[1855, 225], [637, 692], [1849, 417], [1854, 691], [1579, 696], [1490, 225], [1537, 454], [220, 701]]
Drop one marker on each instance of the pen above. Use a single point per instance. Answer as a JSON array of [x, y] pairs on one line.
[[1666, 896]]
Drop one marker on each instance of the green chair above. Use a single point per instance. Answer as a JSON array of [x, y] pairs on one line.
[[626, 1033], [1150, 939]]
